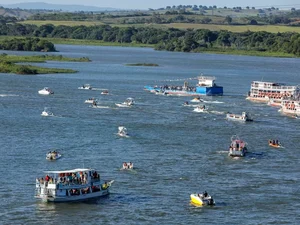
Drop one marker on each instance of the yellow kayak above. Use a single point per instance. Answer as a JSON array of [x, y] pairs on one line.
[[201, 199]]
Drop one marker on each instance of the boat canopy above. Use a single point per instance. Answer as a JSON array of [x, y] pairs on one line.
[[69, 171]]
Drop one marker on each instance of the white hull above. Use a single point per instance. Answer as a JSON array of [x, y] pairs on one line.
[[90, 101], [73, 198], [200, 110], [257, 99], [290, 112], [237, 153], [53, 158], [122, 105], [46, 114], [44, 93], [239, 118], [196, 100]]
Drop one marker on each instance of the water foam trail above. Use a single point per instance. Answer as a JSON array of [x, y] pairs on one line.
[[8, 95], [214, 102]]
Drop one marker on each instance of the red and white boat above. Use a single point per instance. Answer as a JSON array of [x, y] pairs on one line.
[[265, 91]]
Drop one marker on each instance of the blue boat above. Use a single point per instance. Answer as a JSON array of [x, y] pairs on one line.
[[206, 86]]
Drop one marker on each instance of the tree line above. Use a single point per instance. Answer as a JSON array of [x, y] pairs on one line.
[[27, 44], [165, 39]]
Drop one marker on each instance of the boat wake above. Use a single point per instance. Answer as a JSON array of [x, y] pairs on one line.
[[217, 112], [214, 102], [222, 152], [8, 95], [99, 106]]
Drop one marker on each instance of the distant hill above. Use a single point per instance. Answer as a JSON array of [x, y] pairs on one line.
[[66, 8]]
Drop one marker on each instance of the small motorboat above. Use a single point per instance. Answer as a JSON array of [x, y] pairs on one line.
[[53, 155], [275, 144], [90, 100], [46, 112], [197, 99], [237, 147], [128, 103], [202, 199], [127, 166], [242, 118], [200, 109], [105, 92], [85, 87], [122, 131], [46, 91]]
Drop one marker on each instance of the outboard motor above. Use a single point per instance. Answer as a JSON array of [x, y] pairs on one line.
[[211, 201]]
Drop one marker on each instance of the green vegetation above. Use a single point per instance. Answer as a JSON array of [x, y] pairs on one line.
[[8, 64], [9, 67], [27, 44], [167, 39], [186, 28], [40, 58], [141, 64], [181, 25]]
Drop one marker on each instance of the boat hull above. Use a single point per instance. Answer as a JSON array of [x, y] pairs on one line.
[[274, 145], [74, 198], [237, 153], [209, 91], [195, 199]]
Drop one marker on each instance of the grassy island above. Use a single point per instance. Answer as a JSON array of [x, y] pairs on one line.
[[8, 64], [141, 64]]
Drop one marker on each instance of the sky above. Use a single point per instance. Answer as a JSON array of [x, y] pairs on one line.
[[144, 4]]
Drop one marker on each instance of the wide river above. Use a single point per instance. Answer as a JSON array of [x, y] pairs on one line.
[[175, 151]]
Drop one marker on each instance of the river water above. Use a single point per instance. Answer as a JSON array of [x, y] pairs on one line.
[[175, 151]]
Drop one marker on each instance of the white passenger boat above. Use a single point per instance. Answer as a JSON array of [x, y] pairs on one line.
[[105, 92], [90, 100], [127, 166], [71, 185], [237, 147], [85, 87], [264, 91], [128, 103], [46, 112], [242, 118], [53, 155], [290, 108], [200, 109], [46, 91], [122, 131], [202, 199]]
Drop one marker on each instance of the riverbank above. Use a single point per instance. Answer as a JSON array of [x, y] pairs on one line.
[[228, 51]]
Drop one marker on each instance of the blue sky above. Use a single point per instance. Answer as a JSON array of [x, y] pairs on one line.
[[142, 4]]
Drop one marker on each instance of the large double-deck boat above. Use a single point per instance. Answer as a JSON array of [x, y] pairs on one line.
[[206, 86], [265, 91], [71, 185], [290, 107]]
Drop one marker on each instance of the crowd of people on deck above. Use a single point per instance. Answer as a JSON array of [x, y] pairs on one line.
[[177, 88], [78, 178]]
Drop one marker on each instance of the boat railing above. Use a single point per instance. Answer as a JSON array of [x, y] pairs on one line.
[[203, 78], [274, 87]]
